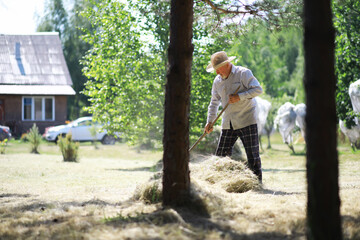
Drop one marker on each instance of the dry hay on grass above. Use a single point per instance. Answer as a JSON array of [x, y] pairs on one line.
[[225, 173], [217, 172], [149, 192]]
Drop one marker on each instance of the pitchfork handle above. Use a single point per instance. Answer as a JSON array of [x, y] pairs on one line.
[[213, 123]]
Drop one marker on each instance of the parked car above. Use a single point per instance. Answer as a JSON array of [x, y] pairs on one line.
[[82, 129], [5, 133]]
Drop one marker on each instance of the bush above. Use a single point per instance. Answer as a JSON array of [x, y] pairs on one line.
[[34, 137], [69, 148]]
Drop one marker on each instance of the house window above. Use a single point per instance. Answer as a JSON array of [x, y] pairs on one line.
[[27, 108], [38, 108]]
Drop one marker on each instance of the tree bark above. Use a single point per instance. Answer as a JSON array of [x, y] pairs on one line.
[[176, 174], [323, 204]]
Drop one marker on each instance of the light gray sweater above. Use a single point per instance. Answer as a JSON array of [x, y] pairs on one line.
[[242, 113]]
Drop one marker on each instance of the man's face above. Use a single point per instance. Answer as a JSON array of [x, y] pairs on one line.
[[224, 71]]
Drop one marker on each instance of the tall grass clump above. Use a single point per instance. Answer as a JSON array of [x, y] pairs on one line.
[[3, 145], [150, 192], [69, 148], [94, 129], [34, 137]]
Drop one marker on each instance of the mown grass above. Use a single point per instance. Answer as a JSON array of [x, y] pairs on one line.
[[42, 197]]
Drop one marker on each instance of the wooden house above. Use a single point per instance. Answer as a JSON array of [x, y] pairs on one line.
[[34, 82]]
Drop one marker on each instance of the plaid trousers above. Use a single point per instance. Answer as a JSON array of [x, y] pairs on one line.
[[250, 139]]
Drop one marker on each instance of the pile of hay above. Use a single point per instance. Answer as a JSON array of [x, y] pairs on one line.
[[151, 191], [225, 173], [209, 172]]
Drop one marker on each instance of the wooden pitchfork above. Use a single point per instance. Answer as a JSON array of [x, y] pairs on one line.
[[213, 123]]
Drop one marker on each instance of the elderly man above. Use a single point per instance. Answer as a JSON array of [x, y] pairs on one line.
[[238, 87]]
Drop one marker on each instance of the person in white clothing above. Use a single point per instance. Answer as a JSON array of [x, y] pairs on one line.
[[239, 118]]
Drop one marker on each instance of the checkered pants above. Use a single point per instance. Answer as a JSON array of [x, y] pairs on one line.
[[250, 139]]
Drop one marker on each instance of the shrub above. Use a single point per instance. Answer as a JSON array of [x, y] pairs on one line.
[[69, 148], [3, 145], [34, 137]]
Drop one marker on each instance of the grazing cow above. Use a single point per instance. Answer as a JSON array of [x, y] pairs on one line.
[[354, 92], [285, 123], [300, 110], [261, 111], [353, 133]]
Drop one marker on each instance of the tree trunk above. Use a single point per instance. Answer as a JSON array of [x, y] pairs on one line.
[[323, 206], [176, 177]]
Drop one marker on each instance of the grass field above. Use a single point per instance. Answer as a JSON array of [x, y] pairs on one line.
[[42, 197]]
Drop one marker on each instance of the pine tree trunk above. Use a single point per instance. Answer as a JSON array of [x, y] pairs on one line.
[[176, 177], [323, 206]]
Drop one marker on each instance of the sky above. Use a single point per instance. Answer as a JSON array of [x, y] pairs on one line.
[[19, 16]]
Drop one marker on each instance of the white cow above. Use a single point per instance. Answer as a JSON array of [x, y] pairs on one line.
[[353, 133], [285, 123], [300, 110], [261, 111], [354, 92]]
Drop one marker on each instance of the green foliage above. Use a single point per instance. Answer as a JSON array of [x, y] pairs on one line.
[[230, 16], [275, 58], [69, 149], [125, 86], [3, 145], [347, 53], [153, 20], [34, 138], [128, 62]]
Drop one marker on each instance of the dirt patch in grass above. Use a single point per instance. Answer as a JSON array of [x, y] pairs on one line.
[[42, 197]]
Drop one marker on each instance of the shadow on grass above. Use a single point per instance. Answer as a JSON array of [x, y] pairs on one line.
[[145, 169], [272, 149], [156, 167], [191, 225], [40, 206], [274, 192], [188, 222], [274, 170], [14, 195], [301, 153]]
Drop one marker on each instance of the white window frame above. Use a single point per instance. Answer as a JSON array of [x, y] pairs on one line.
[[42, 108]]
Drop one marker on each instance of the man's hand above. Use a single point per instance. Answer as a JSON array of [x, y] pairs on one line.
[[209, 128], [233, 98]]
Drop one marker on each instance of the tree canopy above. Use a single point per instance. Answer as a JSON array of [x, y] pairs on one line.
[[346, 22], [124, 89], [265, 36]]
